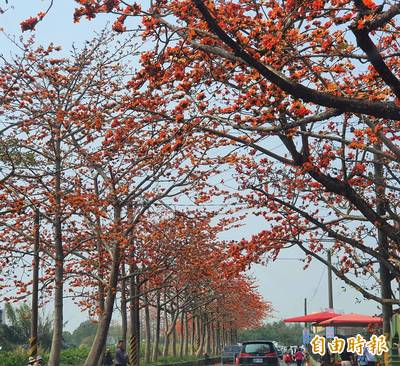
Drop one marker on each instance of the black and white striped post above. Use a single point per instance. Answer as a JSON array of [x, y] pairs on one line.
[[133, 351]]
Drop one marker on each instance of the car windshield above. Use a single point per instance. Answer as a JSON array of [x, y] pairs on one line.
[[257, 348], [232, 349]]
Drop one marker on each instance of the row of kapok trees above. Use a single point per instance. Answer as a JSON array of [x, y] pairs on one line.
[[175, 274], [89, 176], [260, 73], [205, 309]]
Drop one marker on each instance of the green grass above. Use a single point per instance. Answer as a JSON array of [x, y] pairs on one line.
[[69, 357], [76, 357], [169, 360], [17, 357]]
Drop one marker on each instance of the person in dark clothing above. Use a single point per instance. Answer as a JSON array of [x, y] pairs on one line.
[[108, 360], [346, 358], [121, 358], [325, 360]]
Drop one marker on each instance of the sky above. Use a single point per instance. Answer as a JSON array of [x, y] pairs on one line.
[[284, 282]]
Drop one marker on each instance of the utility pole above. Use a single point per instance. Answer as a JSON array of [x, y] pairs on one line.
[[330, 287], [305, 306], [305, 311]]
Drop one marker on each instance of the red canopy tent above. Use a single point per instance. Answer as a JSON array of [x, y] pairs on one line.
[[312, 318], [351, 319]]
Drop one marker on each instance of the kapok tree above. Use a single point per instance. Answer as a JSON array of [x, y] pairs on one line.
[[136, 162], [96, 155], [321, 79], [52, 100]]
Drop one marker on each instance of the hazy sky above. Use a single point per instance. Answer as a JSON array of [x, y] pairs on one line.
[[283, 282], [286, 284]]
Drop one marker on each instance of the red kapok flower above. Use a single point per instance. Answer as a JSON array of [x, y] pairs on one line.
[[29, 24]]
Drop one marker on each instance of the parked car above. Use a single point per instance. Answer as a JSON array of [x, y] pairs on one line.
[[256, 353], [229, 352]]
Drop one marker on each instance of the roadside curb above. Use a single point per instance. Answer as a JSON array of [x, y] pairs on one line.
[[200, 362]]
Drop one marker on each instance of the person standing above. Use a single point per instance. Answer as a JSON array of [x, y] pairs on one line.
[[108, 360], [287, 358], [299, 356], [346, 357], [369, 357], [38, 361], [121, 358], [362, 360], [325, 360]]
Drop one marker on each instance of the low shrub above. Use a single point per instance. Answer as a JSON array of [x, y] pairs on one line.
[[74, 356], [171, 360], [13, 358]]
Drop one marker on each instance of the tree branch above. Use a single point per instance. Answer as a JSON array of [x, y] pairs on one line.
[[387, 110]]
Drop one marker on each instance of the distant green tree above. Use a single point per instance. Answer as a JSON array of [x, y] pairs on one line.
[[115, 331], [83, 335], [278, 331], [68, 340], [87, 341], [9, 339], [85, 330], [18, 329]]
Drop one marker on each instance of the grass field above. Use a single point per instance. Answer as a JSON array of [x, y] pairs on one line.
[[75, 357]]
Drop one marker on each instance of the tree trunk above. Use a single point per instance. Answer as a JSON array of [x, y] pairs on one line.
[[218, 335], [56, 343], [173, 325], [156, 349], [124, 316], [201, 331], [148, 330], [166, 336], [193, 338], [170, 329], [182, 335], [186, 339], [217, 339], [207, 336], [134, 314], [99, 244], [213, 340], [197, 335], [384, 272], [35, 286], [104, 324]]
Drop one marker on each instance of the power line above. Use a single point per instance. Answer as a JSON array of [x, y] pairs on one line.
[[319, 283]]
